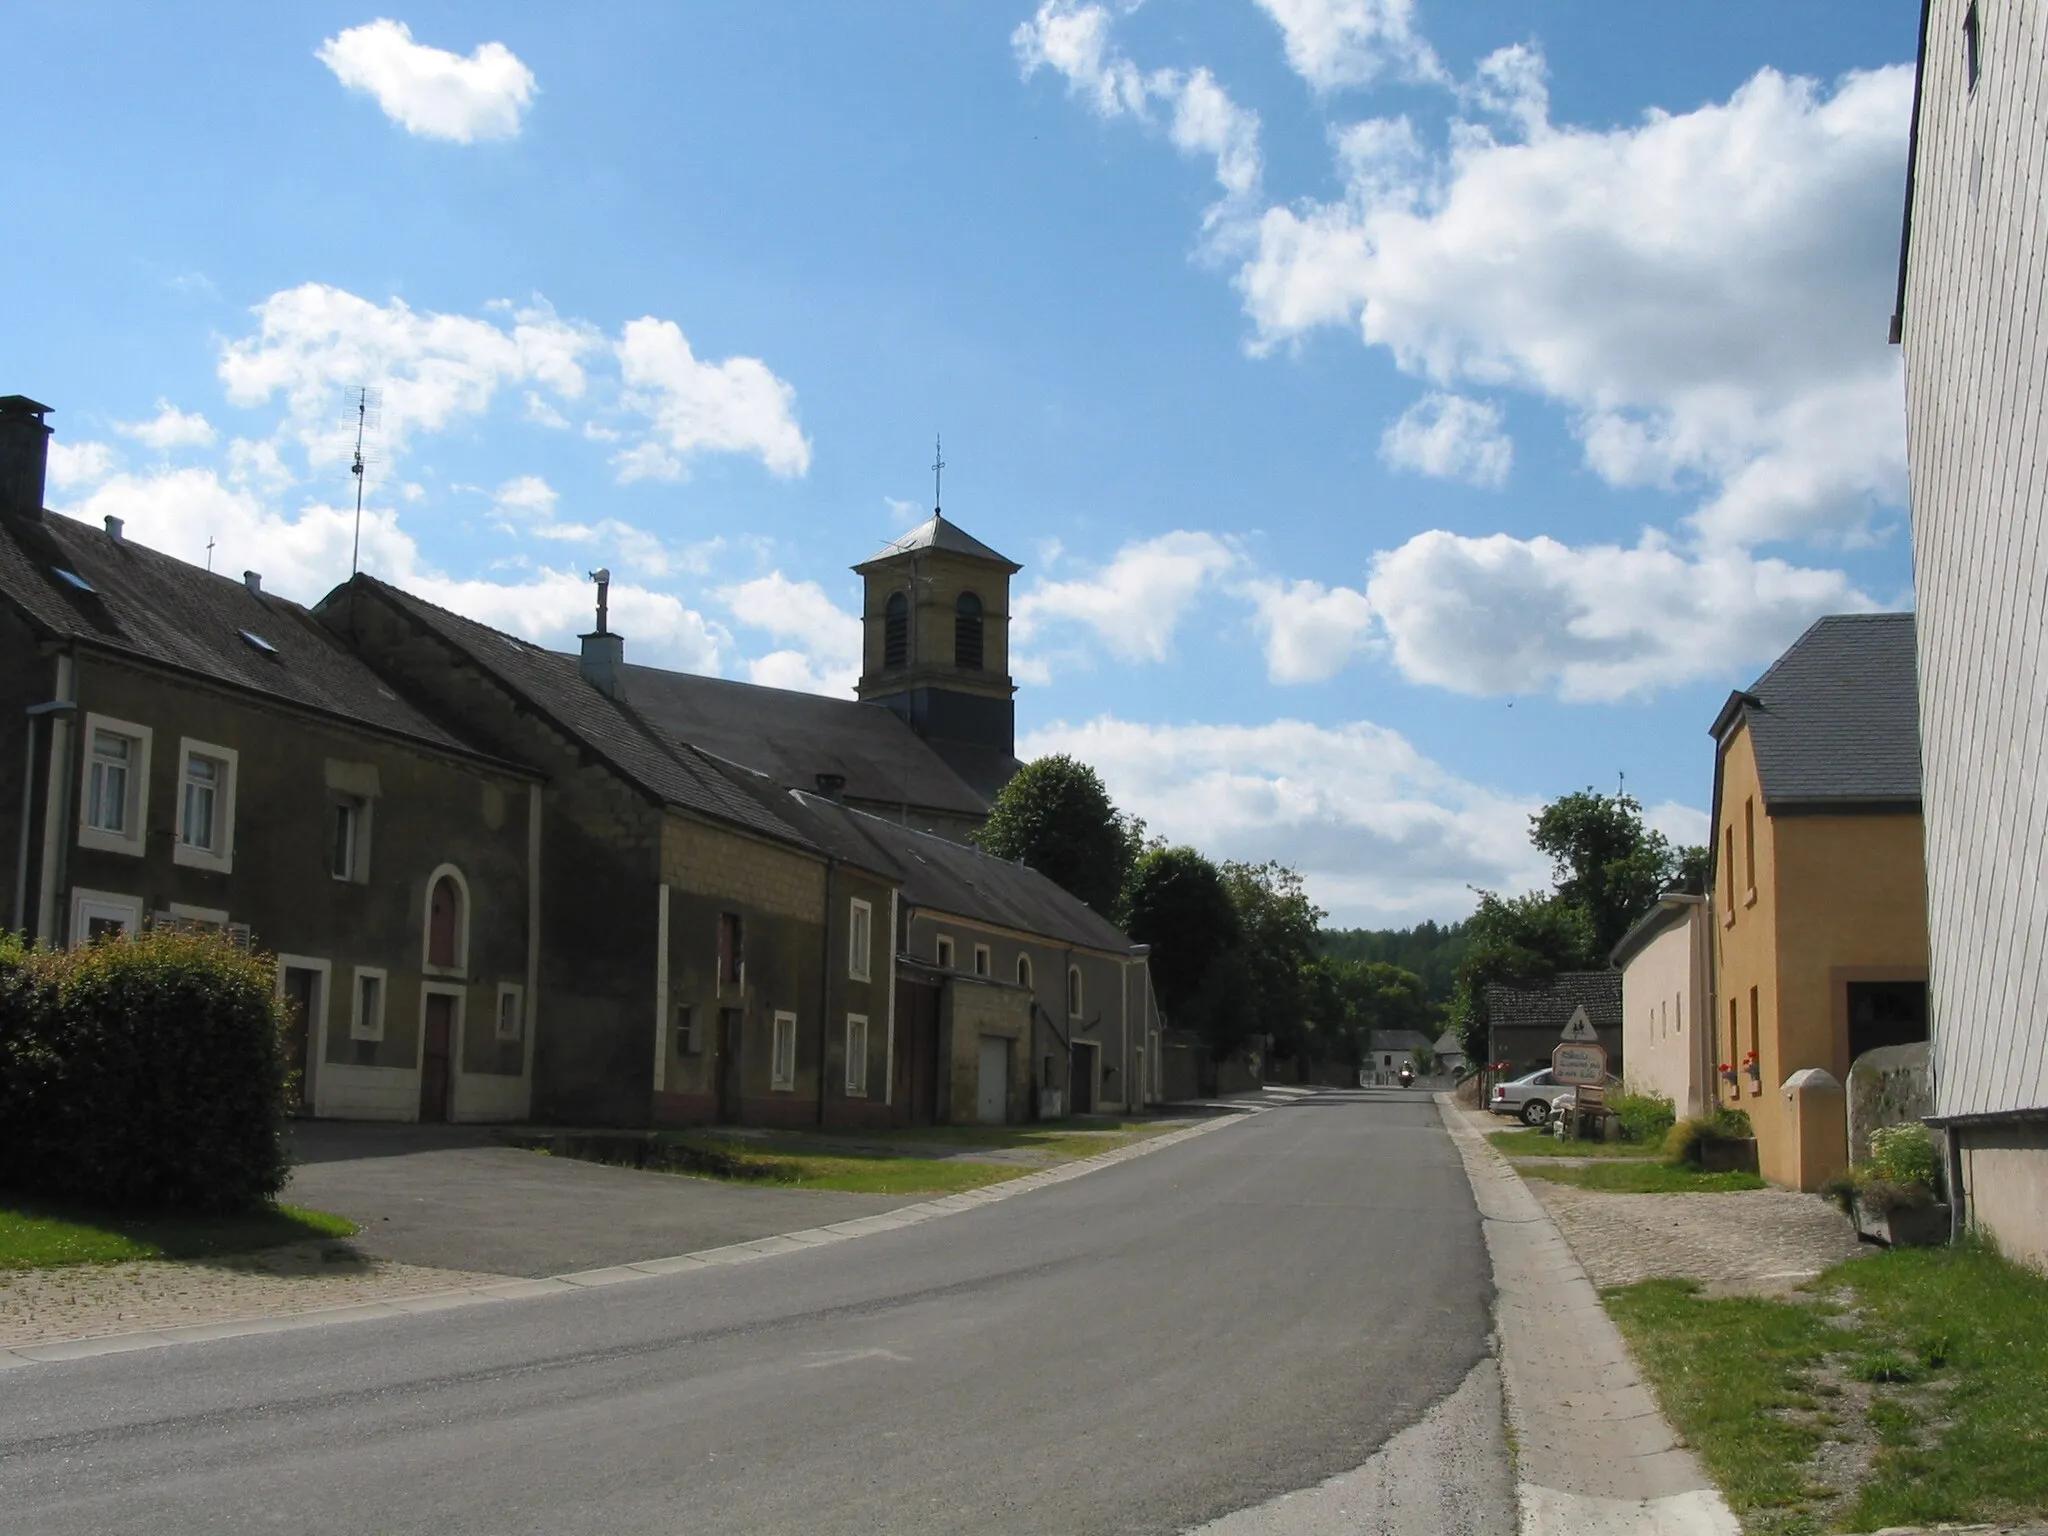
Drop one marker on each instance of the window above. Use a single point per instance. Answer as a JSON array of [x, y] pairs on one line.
[[447, 936], [1755, 1042], [97, 915], [1749, 849], [860, 935], [1023, 970], [511, 1010], [1734, 1042], [1728, 863], [351, 825], [896, 633], [689, 1032], [114, 799], [1678, 1013], [366, 1018], [983, 965], [967, 633], [943, 952], [732, 960], [206, 807], [1073, 991], [856, 1056], [75, 581], [782, 1067], [1973, 43]]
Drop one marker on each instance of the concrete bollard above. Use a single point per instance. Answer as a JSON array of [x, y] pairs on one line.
[[1817, 1116]]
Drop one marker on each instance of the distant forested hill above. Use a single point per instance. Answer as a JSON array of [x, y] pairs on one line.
[[1431, 950]]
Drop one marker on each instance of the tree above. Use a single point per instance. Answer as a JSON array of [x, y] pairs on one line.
[[1278, 924], [1348, 1000], [1515, 937], [1056, 816], [1605, 861], [1176, 902]]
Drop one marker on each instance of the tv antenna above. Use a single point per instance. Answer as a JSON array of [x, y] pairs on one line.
[[369, 412]]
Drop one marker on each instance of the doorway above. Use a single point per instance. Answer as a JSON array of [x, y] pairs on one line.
[[916, 1087], [1081, 1078], [302, 1005], [437, 1058], [992, 1089], [731, 1037], [1886, 1013]]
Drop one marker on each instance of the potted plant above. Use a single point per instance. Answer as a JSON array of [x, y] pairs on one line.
[[1721, 1142], [1893, 1195], [1727, 1070], [1754, 1068]]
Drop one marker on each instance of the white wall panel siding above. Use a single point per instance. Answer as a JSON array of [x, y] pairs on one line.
[[367, 1093], [1976, 345]]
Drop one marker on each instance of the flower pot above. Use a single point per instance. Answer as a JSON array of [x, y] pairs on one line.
[[1737, 1156], [1905, 1226]]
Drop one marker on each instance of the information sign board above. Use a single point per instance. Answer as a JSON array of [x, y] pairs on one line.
[[1579, 1066]]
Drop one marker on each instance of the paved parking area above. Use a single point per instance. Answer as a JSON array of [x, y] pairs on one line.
[[450, 1197]]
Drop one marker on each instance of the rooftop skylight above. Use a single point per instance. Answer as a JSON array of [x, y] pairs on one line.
[[257, 642], [76, 580]]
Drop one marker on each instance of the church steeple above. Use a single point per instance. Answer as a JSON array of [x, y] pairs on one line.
[[936, 647]]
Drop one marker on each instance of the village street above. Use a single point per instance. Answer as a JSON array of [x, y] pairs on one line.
[[1147, 1348]]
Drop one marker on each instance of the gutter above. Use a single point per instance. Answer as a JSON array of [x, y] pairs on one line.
[[1898, 327], [825, 983]]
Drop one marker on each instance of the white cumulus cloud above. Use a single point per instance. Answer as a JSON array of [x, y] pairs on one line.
[[1336, 43], [79, 464], [1133, 604], [822, 641], [1451, 437], [170, 428], [1311, 631], [429, 91], [737, 406]]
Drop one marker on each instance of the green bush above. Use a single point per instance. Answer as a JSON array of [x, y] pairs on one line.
[[1643, 1116], [1904, 1155], [145, 1073], [1683, 1142]]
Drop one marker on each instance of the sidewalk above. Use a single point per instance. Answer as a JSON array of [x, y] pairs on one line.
[[1594, 1455]]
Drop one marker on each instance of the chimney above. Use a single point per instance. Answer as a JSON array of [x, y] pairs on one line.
[[24, 456], [832, 786], [604, 653], [114, 527], [253, 580]]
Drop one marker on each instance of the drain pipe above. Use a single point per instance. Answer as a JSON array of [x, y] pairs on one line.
[[825, 987], [28, 788]]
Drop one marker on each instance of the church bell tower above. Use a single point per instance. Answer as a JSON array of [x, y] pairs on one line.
[[936, 647]]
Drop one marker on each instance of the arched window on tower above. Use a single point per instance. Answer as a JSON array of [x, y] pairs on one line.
[[967, 633], [896, 633]]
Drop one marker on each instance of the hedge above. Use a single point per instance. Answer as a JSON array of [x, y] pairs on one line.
[[143, 1073]]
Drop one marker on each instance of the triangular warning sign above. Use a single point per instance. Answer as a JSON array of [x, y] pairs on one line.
[[1579, 1029]]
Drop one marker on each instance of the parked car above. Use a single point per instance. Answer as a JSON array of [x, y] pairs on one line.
[[1528, 1098]]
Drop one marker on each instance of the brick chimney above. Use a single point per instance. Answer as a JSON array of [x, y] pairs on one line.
[[604, 653], [24, 456]]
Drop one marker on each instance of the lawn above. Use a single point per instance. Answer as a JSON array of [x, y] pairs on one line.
[[42, 1235], [1937, 1354], [788, 1162], [1643, 1178], [1543, 1144]]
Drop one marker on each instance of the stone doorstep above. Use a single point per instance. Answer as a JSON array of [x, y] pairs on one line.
[[515, 1289]]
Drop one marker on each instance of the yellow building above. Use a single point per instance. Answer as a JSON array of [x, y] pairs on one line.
[[1820, 884]]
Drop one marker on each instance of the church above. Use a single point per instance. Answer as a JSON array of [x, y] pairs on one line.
[[506, 883]]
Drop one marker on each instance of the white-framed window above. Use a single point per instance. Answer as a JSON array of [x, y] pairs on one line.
[[366, 1006], [1073, 991], [860, 939], [210, 919], [444, 946], [942, 951], [103, 915], [206, 806], [689, 1030], [348, 840], [511, 1010], [856, 1056], [302, 982], [782, 1063], [1023, 970], [113, 800], [984, 964]]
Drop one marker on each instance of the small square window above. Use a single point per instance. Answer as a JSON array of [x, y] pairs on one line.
[[689, 1031], [942, 951], [982, 963], [782, 1065], [732, 959], [349, 828], [860, 933], [511, 1011], [856, 1056], [366, 1019]]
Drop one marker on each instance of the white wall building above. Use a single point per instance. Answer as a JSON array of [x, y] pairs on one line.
[[1663, 962]]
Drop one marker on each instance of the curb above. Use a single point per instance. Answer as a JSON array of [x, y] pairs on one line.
[[1594, 1454], [55, 1350]]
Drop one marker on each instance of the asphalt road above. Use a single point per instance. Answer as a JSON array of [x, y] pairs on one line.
[[1148, 1348]]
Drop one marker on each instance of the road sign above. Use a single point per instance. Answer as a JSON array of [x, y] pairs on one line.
[[1579, 1029], [1579, 1066]]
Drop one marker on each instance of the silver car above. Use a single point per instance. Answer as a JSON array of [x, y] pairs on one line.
[[1528, 1098]]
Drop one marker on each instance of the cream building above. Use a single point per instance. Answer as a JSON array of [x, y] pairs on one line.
[[1663, 962]]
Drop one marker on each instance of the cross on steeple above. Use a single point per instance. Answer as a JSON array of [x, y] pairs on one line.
[[938, 470]]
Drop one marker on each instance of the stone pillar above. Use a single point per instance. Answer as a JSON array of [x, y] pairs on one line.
[[1817, 1115]]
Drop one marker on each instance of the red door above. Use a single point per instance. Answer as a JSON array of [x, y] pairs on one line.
[[436, 1059]]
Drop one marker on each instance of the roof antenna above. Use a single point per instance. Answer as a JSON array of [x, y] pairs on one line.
[[369, 413], [209, 554], [938, 470]]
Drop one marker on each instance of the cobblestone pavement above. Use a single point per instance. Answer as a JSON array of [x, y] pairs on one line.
[[39, 1306]]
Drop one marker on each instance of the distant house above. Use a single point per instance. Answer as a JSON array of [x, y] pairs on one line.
[[1666, 1031], [1393, 1049], [1450, 1052], [1526, 1019], [1820, 892]]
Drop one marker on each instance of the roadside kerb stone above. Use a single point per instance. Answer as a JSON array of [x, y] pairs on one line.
[[1594, 1455], [50, 1351]]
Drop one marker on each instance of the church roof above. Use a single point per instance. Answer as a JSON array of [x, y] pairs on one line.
[[936, 533]]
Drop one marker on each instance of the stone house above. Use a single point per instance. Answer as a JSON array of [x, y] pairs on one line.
[[1526, 1019], [1665, 960], [202, 752], [1970, 320], [1392, 1049], [1819, 885]]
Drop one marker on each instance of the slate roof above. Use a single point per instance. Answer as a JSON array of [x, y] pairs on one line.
[[1547, 1003], [936, 533], [793, 737], [1672, 907], [552, 684], [1449, 1043], [1401, 1040], [150, 606], [1836, 720]]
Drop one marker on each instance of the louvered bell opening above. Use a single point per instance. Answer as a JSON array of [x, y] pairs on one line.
[[967, 629], [896, 633]]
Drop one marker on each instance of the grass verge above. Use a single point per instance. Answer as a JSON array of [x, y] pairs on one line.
[[1940, 1352], [788, 1162], [44, 1235], [1543, 1144], [1644, 1178]]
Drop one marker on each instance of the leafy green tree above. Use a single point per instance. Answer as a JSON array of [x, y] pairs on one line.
[[1176, 902], [1516, 937], [1056, 816], [1347, 1001], [1430, 950], [1279, 924]]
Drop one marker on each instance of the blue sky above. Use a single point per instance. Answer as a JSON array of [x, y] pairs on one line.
[[1404, 412]]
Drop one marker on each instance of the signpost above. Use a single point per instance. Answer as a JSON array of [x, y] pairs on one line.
[[1580, 1063], [1579, 1029]]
